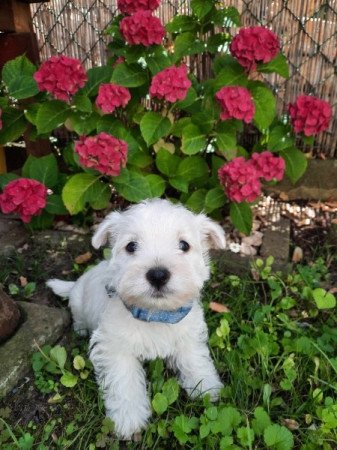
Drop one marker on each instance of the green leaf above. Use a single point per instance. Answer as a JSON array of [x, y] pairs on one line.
[[212, 413], [226, 137], [171, 390], [131, 75], [204, 120], [323, 299], [179, 183], [5, 178], [242, 217], [43, 169], [228, 419], [78, 362], [227, 17], [96, 76], [230, 74], [55, 205], [181, 24], [42, 221], [265, 105], [193, 140], [196, 201], [296, 163], [280, 138], [277, 65], [186, 44], [154, 126], [204, 430], [217, 40], [99, 194], [17, 68], [82, 123], [77, 190], [192, 168], [158, 60], [261, 421], [178, 127], [159, 403], [201, 7], [59, 355], [69, 380], [278, 437], [14, 124], [167, 163], [22, 87], [20, 66], [227, 62], [245, 436], [190, 98], [82, 102], [215, 198], [135, 187], [51, 115], [156, 186]]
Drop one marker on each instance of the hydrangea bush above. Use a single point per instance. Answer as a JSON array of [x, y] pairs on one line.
[[147, 126]]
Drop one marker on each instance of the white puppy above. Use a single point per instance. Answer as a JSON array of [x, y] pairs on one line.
[[144, 303]]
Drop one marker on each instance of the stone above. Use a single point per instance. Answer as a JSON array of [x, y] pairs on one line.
[[42, 325], [318, 183], [9, 316], [13, 235], [276, 243]]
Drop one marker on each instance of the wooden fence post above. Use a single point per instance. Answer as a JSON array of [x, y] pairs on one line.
[[17, 37]]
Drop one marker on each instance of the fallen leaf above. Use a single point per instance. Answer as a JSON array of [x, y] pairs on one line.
[[82, 259], [218, 307], [297, 255], [291, 424], [283, 196], [23, 281], [247, 250]]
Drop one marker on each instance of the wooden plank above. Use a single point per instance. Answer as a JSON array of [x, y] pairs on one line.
[[3, 166], [15, 44]]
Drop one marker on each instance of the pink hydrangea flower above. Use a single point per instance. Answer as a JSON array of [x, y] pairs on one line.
[[254, 45], [171, 84], [103, 152], [25, 197], [310, 115], [240, 180], [268, 166], [112, 96], [236, 103], [132, 6], [61, 76], [142, 28]]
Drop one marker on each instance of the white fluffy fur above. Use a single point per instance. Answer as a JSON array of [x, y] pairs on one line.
[[120, 343]]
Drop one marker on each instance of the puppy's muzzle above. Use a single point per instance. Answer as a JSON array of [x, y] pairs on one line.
[[158, 277]]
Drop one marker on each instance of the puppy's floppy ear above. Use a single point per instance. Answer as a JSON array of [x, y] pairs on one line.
[[106, 230], [213, 235]]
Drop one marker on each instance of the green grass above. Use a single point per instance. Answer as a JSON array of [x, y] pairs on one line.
[[276, 353]]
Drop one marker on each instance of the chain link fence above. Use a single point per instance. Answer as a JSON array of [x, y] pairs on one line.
[[307, 29]]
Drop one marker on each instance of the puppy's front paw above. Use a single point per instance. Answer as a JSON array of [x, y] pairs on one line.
[[128, 423]]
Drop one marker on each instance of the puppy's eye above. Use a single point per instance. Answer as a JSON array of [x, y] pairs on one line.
[[131, 247], [184, 246]]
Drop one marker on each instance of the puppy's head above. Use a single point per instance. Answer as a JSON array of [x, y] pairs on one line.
[[159, 253]]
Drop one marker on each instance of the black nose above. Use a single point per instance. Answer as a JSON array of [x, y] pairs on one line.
[[158, 276]]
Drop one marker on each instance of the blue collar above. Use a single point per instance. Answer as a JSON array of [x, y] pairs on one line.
[[162, 316]]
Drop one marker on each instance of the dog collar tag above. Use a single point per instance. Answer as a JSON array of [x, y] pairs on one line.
[[172, 317]]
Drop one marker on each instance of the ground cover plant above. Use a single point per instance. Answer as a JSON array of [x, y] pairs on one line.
[[148, 124], [275, 349]]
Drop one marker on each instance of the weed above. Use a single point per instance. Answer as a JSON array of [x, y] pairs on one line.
[[275, 350]]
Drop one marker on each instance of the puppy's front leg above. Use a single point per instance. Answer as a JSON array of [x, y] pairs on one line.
[[122, 379], [196, 369]]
